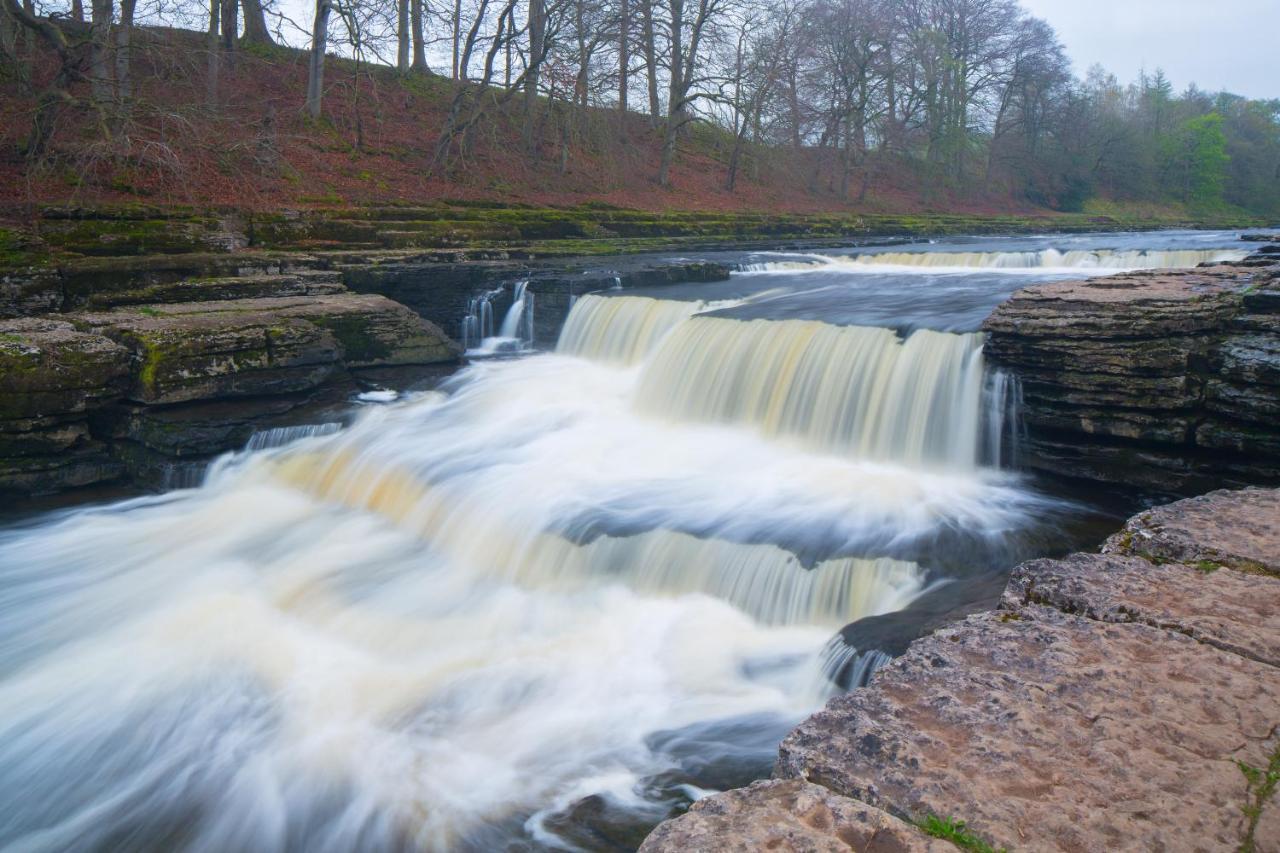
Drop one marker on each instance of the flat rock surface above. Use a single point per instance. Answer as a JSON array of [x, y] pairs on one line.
[[788, 815], [1239, 529], [1044, 730], [1140, 304], [1232, 611]]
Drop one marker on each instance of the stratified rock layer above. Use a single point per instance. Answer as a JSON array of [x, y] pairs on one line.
[[1166, 380], [1120, 701], [87, 396]]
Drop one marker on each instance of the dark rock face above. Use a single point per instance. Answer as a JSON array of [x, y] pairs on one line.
[[1163, 380], [1125, 700]]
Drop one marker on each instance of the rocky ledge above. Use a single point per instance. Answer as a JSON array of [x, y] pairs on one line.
[[1164, 380], [1128, 700], [94, 396]]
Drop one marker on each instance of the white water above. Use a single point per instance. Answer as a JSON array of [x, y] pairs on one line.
[[469, 609], [515, 334], [621, 329], [856, 390], [1041, 260]]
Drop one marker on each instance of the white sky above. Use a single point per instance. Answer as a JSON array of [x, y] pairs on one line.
[[1217, 44]]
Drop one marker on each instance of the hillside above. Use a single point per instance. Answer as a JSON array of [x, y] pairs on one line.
[[253, 147]]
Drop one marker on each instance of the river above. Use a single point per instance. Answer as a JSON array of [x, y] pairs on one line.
[[551, 602]]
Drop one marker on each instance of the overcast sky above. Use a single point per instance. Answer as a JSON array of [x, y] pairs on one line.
[[1217, 44]]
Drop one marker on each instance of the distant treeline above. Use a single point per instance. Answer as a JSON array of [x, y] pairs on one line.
[[973, 98]]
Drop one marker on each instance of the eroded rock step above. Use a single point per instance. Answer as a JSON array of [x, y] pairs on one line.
[[1120, 701], [1166, 380]]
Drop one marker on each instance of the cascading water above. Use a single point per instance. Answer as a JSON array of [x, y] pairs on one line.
[[621, 329], [477, 325], [607, 574], [1043, 259], [855, 390], [515, 333]]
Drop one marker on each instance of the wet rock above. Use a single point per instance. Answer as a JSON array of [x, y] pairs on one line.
[[1164, 380], [790, 815], [257, 286]]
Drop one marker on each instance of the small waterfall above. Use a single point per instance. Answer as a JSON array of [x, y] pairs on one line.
[[519, 320], [280, 436], [1083, 259], [621, 329], [848, 668], [855, 390], [478, 324], [1002, 422]]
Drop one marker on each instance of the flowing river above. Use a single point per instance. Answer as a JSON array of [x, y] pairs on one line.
[[550, 603]]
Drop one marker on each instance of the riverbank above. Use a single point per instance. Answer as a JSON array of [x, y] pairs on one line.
[[1122, 700]]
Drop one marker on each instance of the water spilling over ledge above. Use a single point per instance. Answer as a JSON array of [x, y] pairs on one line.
[[609, 572]]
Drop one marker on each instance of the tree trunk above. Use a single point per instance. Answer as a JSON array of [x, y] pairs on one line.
[[650, 59], [9, 34], [100, 50], [230, 24], [124, 35], [419, 39], [319, 41], [77, 10], [255, 23], [537, 47], [214, 60], [624, 54], [402, 36], [457, 35]]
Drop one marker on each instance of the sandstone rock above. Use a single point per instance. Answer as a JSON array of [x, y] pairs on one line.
[[1147, 304], [1229, 610], [1237, 529], [788, 816], [1120, 701], [1048, 731]]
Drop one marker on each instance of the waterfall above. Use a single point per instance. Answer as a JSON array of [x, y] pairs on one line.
[[478, 322], [855, 390], [621, 329], [518, 323], [280, 436], [1082, 259]]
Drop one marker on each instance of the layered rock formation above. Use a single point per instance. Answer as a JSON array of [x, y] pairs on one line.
[[89, 396], [1165, 380], [1118, 701]]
